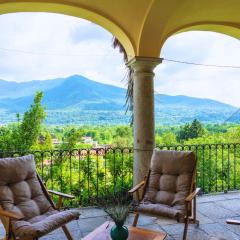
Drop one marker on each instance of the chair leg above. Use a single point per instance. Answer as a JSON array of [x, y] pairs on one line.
[[67, 233], [135, 221], [193, 219], [185, 228], [8, 229]]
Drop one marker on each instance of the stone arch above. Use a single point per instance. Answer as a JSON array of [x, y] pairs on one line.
[[231, 30], [75, 11]]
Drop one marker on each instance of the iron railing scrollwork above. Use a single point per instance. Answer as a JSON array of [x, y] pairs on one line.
[[91, 174]]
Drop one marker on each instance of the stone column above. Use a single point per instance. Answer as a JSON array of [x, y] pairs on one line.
[[143, 110]]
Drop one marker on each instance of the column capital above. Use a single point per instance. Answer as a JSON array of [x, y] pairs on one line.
[[144, 63]]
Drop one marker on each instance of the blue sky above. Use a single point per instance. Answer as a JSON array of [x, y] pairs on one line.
[[41, 43]]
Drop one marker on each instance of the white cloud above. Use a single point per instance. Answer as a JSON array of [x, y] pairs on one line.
[[217, 83], [54, 33]]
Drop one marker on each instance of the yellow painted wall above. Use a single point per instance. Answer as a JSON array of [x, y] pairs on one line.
[[142, 26]]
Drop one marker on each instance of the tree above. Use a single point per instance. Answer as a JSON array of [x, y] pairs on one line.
[[169, 138], [30, 127], [233, 135], [23, 135], [184, 133], [158, 139], [196, 129], [6, 139], [44, 141], [123, 137], [71, 138], [190, 131]]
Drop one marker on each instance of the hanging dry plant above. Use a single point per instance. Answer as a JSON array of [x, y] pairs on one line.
[[129, 94]]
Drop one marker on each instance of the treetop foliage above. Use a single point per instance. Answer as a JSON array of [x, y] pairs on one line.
[[190, 131], [29, 133], [23, 135]]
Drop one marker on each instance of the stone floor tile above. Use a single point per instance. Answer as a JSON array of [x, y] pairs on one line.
[[204, 219], [92, 212], [173, 229], [85, 234], [214, 211], [232, 195], [196, 233], [230, 227], [76, 235], [73, 224], [48, 237], [165, 221], [89, 224], [211, 198], [230, 204], [193, 234], [143, 220], [219, 230], [169, 238]]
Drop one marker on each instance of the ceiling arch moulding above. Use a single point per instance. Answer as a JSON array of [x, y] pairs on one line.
[[230, 29], [216, 15], [166, 18], [143, 24], [70, 9], [153, 29]]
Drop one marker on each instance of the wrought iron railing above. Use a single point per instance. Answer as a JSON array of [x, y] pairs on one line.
[[88, 174], [218, 167], [91, 174]]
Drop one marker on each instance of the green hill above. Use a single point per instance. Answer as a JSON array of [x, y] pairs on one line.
[[78, 100]]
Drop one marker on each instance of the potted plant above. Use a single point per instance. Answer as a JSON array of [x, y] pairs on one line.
[[118, 213], [117, 207]]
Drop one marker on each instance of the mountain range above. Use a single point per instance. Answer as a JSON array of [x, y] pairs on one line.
[[79, 100]]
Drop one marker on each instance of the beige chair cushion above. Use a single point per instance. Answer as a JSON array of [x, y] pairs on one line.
[[43, 224], [20, 191], [170, 179], [158, 209]]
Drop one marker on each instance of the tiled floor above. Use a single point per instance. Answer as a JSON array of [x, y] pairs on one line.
[[212, 212]]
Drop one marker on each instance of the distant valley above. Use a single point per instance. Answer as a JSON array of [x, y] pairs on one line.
[[78, 100]]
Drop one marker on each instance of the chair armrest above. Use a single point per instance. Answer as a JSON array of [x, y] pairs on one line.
[[11, 215], [137, 187], [192, 195], [61, 194], [234, 222]]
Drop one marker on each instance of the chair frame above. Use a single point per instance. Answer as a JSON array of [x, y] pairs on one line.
[[233, 222], [8, 216], [190, 202]]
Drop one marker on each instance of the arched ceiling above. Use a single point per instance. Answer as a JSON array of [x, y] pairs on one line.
[[142, 26]]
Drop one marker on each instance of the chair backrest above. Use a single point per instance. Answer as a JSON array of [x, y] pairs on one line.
[[20, 189], [171, 178]]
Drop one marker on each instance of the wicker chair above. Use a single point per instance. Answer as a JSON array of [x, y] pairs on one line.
[[169, 189], [26, 208]]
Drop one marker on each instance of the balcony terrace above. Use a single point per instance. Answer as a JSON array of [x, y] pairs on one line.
[[142, 28], [90, 174], [212, 212]]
